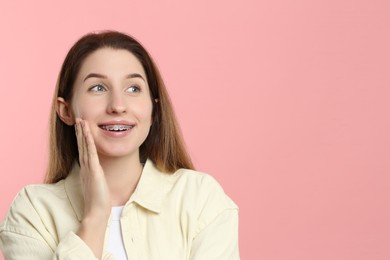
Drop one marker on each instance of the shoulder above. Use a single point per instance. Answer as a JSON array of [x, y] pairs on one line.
[[202, 186], [201, 195], [34, 214], [185, 186], [40, 194], [33, 201]]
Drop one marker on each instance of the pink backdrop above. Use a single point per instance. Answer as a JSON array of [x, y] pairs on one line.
[[285, 102]]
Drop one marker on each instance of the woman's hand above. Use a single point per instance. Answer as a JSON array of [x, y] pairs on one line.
[[97, 205], [96, 194]]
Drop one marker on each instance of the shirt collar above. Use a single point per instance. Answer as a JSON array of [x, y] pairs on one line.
[[149, 193]]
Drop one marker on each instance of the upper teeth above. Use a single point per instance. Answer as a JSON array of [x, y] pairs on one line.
[[117, 127]]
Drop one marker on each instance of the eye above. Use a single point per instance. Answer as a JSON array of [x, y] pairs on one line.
[[133, 89], [98, 88]]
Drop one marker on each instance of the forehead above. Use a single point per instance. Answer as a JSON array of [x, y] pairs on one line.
[[111, 62]]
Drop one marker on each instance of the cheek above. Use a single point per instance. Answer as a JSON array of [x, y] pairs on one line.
[[77, 106], [85, 109], [148, 114], [144, 112]]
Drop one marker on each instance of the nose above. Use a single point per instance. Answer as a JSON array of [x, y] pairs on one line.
[[116, 104]]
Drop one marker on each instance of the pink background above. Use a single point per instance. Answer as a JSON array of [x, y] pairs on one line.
[[285, 102]]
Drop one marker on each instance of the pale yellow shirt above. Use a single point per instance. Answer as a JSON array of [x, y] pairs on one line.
[[185, 215]]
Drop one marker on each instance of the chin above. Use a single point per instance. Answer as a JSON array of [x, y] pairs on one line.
[[117, 153]]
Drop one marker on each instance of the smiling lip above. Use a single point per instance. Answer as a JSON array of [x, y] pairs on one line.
[[119, 128]]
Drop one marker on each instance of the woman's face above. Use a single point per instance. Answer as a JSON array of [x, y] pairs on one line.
[[111, 92]]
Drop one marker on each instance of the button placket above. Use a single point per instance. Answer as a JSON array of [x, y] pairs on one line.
[[128, 221]]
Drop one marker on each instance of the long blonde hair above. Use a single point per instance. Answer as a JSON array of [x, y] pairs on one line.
[[164, 144]]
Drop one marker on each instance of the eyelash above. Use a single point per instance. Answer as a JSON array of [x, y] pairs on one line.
[[103, 89], [137, 89], [96, 86]]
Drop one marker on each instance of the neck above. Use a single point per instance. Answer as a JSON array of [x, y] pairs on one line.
[[122, 176]]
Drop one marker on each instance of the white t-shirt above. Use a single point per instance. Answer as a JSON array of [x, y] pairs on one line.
[[115, 241]]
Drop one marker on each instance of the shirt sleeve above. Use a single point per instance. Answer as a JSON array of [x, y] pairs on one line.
[[23, 235], [219, 239], [216, 236], [16, 246]]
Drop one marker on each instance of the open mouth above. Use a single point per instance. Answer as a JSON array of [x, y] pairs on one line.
[[116, 128]]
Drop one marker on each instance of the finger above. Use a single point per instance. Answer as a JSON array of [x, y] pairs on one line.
[[84, 144], [93, 158], [79, 137]]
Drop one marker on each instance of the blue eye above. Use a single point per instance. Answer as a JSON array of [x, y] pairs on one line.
[[133, 89], [97, 88]]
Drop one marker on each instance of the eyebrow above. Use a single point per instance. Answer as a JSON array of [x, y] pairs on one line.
[[101, 76]]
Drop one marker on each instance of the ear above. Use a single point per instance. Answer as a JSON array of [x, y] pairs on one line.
[[64, 112]]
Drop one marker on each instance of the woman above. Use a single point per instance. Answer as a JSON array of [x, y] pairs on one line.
[[120, 184]]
